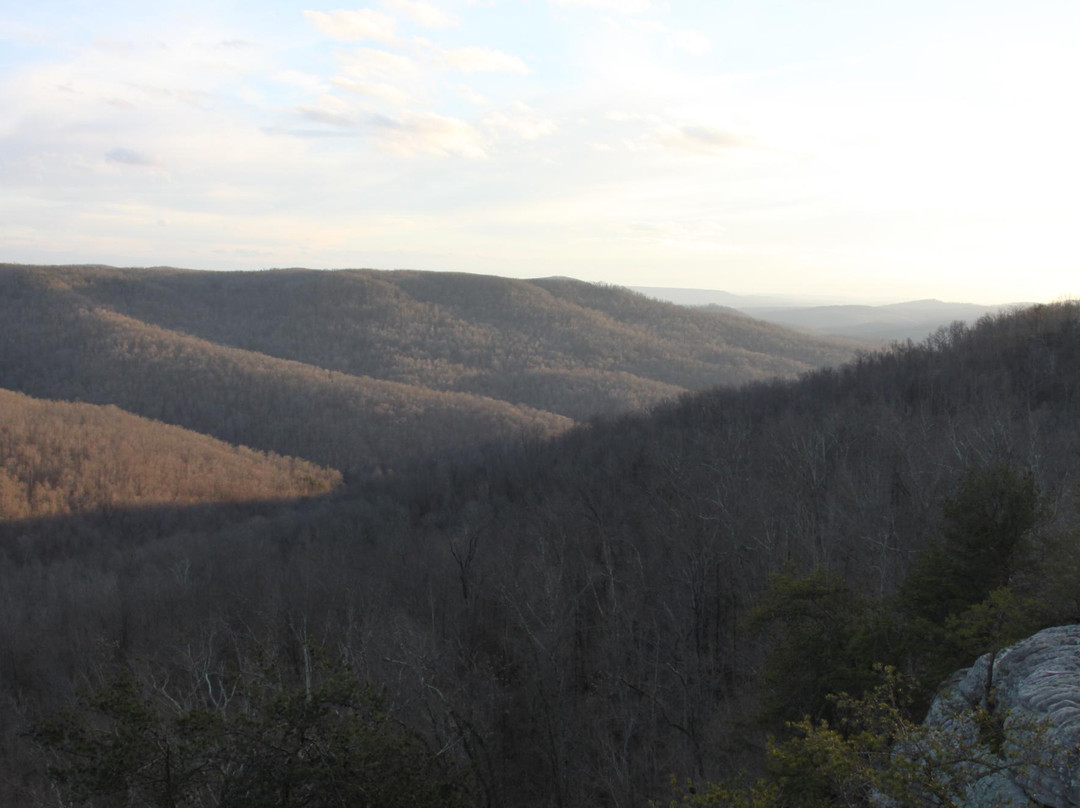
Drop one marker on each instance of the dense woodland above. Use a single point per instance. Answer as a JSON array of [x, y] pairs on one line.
[[567, 620], [59, 459], [568, 349], [57, 345]]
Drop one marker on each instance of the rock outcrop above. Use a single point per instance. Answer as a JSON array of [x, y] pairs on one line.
[[1023, 704]]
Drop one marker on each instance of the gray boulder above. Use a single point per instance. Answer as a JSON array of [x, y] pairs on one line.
[[1021, 708]]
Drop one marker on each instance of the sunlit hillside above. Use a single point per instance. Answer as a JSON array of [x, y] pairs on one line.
[[58, 458]]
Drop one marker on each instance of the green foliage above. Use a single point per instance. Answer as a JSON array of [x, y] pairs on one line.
[[874, 754], [960, 599], [729, 794], [964, 598], [845, 762], [984, 526], [824, 636], [1001, 619], [250, 743], [125, 750], [1055, 577]]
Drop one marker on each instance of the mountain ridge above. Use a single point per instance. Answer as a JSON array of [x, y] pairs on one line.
[[450, 359]]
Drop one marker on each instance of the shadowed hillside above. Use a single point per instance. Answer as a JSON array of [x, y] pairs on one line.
[[565, 347], [58, 344]]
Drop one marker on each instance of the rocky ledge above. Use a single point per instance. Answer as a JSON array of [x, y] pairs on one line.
[[1023, 704]]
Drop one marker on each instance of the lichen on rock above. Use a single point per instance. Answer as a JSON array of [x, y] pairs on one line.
[[1029, 694]]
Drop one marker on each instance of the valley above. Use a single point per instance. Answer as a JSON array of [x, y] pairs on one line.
[[577, 544]]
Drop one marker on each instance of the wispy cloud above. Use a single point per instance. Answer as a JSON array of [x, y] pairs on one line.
[[422, 13], [329, 110], [402, 86], [22, 34], [693, 42], [390, 77], [300, 80], [399, 95], [431, 134], [354, 26], [376, 63], [388, 93], [129, 157], [405, 133], [479, 59], [703, 139], [618, 6], [521, 121], [686, 40]]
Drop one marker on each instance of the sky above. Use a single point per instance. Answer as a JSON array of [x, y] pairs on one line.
[[847, 149]]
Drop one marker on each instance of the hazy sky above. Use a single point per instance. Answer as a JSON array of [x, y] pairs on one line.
[[877, 150]]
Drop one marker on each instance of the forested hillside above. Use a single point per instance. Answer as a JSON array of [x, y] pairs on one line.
[[58, 344], [562, 346], [58, 459], [574, 621]]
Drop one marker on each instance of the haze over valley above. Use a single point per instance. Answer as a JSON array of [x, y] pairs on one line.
[[876, 324]]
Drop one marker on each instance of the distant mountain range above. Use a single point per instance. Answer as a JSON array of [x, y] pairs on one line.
[[717, 297], [365, 370], [912, 320]]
